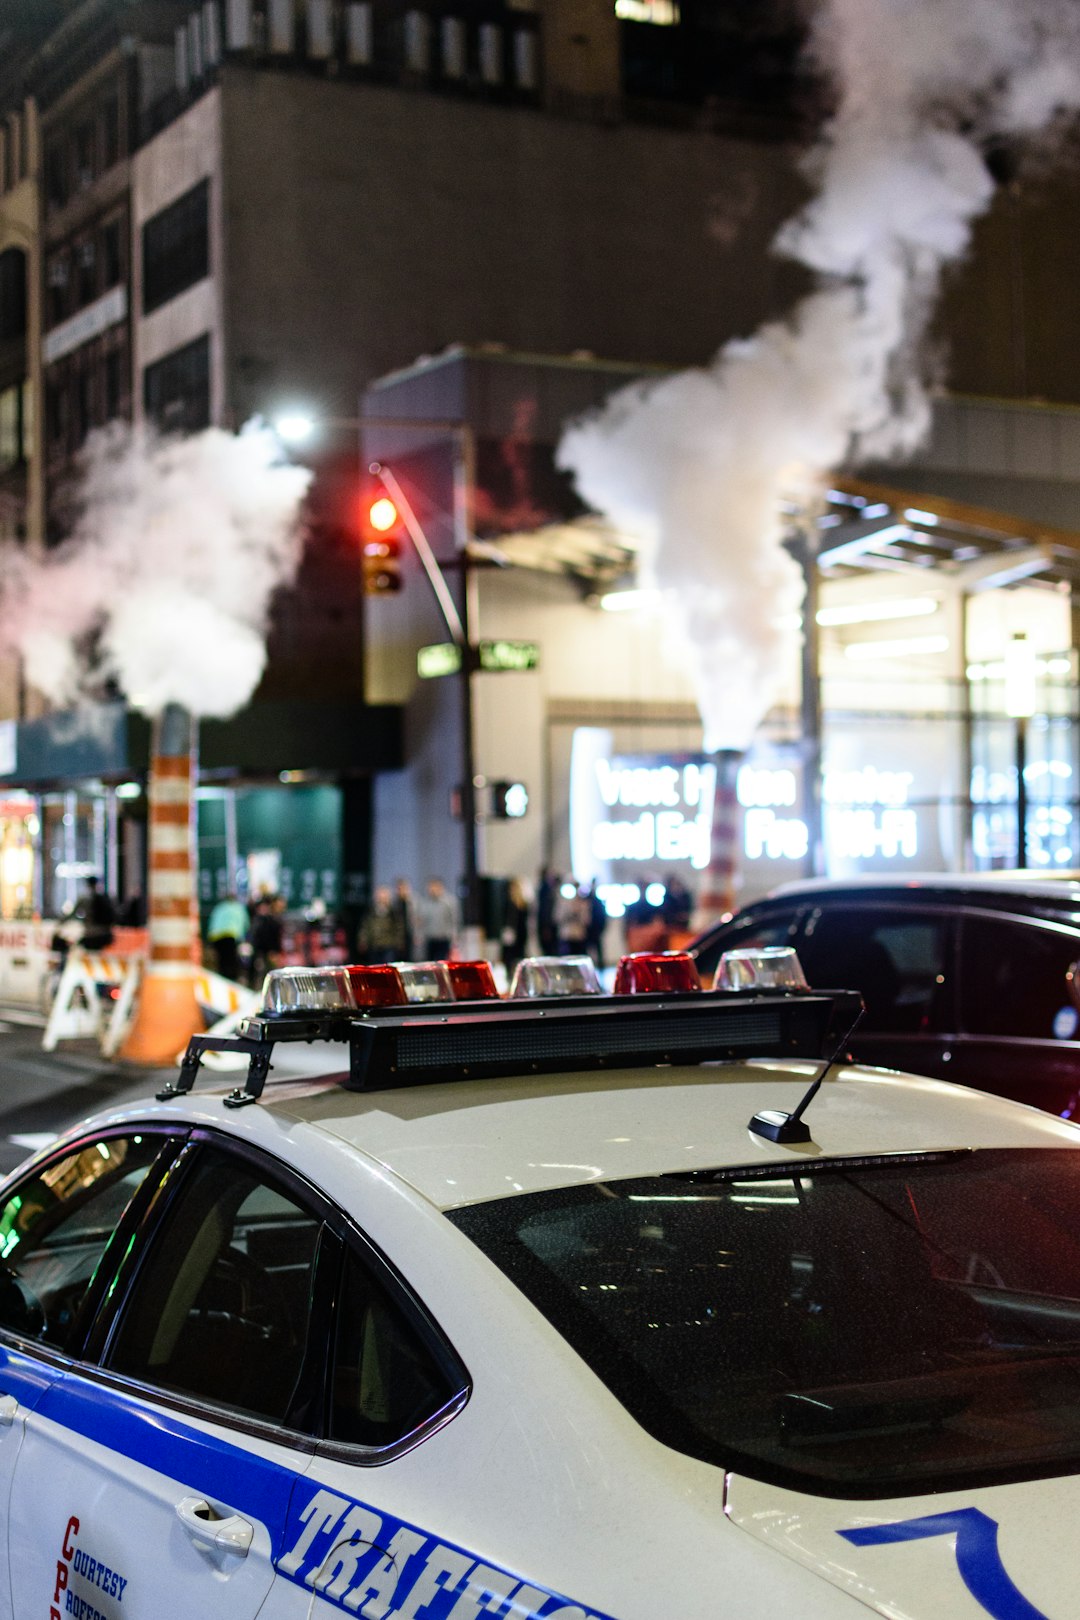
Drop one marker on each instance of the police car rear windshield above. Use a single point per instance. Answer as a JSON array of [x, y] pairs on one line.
[[860, 1327]]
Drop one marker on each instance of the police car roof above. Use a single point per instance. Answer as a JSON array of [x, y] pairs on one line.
[[470, 1142]]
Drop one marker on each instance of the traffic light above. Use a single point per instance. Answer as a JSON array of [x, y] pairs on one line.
[[383, 534], [509, 800]]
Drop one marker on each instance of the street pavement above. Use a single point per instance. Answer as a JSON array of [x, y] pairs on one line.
[[42, 1093]]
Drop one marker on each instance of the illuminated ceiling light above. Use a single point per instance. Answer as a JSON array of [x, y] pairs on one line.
[[635, 601], [910, 607], [1021, 696], [663, 13], [294, 427], [915, 514], [911, 647]]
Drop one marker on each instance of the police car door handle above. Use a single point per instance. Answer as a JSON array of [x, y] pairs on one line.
[[9, 1406], [225, 1534]]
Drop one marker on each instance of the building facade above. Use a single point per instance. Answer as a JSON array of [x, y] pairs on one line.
[[234, 208]]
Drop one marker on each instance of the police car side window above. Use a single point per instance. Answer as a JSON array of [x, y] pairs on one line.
[[220, 1308], [55, 1228], [387, 1380]]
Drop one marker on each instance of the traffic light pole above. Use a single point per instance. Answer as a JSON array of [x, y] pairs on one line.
[[459, 626]]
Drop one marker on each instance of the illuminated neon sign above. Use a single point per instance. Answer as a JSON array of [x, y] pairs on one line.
[[660, 810]]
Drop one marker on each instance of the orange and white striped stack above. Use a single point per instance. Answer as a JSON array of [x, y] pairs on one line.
[[168, 1011], [717, 897]]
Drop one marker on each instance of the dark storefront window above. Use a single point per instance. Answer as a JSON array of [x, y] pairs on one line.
[[176, 390], [176, 247]]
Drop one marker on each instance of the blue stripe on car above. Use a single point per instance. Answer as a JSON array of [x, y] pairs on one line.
[[343, 1547]]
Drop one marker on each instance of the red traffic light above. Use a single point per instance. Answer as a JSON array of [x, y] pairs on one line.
[[383, 530], [382, 514]]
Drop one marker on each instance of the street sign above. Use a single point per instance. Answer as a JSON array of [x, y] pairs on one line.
[[444, 658], [495, 655]]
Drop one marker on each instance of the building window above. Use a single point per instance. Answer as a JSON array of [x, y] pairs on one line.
[[86, 259], [56, 183], [11, 434], [110, 129], [58, 276], [176, 247], [84, 156], [114, 384], [56, 412], [84, 403], [111, 254], [12, 295], [176, 390]]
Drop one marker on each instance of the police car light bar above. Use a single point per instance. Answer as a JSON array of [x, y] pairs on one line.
[[427, 1044]]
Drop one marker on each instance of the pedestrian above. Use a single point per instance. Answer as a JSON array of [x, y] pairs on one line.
[[572, 919], [598, 918], [382, 932], [547, 891], [437, 919], [95, 911], [515, 929], [403, 900], [266, 937], [226, 929]]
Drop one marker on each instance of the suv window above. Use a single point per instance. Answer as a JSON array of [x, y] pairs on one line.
[[1018, 979], [895, 958], [747, 933], [386, 1382], [56, 1226], [220, 1307]]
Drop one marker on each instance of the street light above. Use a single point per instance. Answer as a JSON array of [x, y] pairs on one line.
[[294, 427]]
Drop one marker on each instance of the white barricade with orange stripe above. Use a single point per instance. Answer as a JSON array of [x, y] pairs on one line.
[[89, 982]]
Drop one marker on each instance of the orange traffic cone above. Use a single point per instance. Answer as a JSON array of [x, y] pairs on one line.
[[167, 1011]]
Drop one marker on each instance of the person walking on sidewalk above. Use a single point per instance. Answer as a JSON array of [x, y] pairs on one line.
[[437, 919], [228, 925]]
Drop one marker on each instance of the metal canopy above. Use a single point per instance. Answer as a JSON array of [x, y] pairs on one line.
[[864, 528]]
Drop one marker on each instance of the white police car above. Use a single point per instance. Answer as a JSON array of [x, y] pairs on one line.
[[545, 1310]]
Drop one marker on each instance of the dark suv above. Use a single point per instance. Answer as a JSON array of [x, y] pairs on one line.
[[972, 979]]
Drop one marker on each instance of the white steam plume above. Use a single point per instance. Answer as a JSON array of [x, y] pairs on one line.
[[166, 581], [698, 465]]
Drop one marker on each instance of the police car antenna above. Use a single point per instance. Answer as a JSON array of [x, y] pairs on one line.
[[791, 1129]]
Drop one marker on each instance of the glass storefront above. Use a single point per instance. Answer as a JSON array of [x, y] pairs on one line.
[[918, 779], [20, 825]]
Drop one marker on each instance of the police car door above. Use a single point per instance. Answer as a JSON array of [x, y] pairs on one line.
[[59, 1225], [157, 1474], [364, 1529]]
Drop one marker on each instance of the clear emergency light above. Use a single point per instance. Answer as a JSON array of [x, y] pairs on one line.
[[765, 967], [307, 990], [554, 976], [426, 981]]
